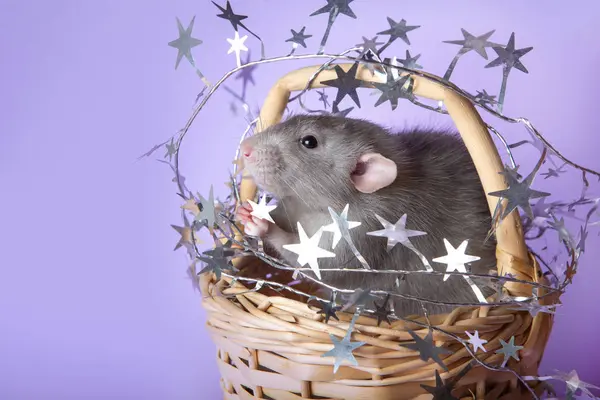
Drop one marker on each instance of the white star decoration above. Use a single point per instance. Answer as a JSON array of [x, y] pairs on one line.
[[335, 228], [476, 341], [237, 46], [262, 210], [456, 258], [396, 233], [308, 250], [574, 383]]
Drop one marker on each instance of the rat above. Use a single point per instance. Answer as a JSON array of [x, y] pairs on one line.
[[312, 162]]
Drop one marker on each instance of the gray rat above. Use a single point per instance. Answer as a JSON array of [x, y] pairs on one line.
[[310, 163]]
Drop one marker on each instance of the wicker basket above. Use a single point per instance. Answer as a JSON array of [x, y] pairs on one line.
[[269, 346]]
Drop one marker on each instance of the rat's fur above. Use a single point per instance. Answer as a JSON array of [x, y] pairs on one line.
[[437, 187]]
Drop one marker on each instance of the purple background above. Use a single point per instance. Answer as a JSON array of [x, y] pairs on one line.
[[93, 301]]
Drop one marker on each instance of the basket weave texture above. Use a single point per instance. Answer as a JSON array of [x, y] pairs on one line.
[[270, 346]]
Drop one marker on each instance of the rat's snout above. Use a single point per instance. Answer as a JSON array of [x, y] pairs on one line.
[[246, 149]]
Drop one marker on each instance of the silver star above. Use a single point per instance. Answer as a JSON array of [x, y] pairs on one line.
[[476, 341], [185, 43], [207, 213], [477, 43], [534, 307], [509, 350], [398, 30], [298, 38], [518, 194], [411, 62], [574, 384], [563, 233], [456, 258], [393, 90], [340, 225], [228, 14], [396, 233], [346, 83], [368, 45], [336, 6], [509, 57], [262, 210], [484, 98], [308, 250], [342, 349], [427, 349], [171, 149], [540, 213], [554, 172], [218, 260]]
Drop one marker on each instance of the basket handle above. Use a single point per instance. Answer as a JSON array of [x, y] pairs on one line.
[[511, 247]]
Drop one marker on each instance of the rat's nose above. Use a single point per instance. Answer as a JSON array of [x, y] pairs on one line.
[[246, 149]]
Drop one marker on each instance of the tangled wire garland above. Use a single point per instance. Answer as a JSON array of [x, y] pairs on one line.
[[218, 216]]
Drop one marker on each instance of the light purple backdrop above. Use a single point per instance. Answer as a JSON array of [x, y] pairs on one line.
[[93, 301]]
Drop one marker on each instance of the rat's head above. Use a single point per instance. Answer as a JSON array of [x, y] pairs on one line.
[[323, 160]]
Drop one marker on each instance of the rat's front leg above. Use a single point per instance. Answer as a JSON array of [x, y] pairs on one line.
[[272, 234]]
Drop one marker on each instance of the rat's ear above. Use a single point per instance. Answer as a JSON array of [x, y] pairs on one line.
[[373, 172]]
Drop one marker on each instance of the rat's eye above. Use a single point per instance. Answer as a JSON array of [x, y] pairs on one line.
[[310, 142]]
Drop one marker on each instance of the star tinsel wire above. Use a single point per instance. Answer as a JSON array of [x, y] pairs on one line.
[[518, 194], [393, 90], [410, 62], [521, 121], [346, 83], [443, 390], [382, 312], [398, 234], [470, 42], [298, 38], [333, 8], [342, 349], [207, 213], [184, 45], [509, 58], [368, 45], [509, 350], [427, 349], [397, 30], [329, 309], [236, 21], [340, 227]]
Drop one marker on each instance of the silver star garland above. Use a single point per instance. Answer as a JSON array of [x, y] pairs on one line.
[[508, 57], [342, 349], [334, 8], [346, 83], [298, 39], [184, 45], [509, 350], [397, 233], [397, 30], [470, 42], [427, 349], [340, 227], [518, 194]]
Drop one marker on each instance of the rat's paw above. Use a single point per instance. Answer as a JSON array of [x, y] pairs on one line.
[[243, 213], [257, 227]]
